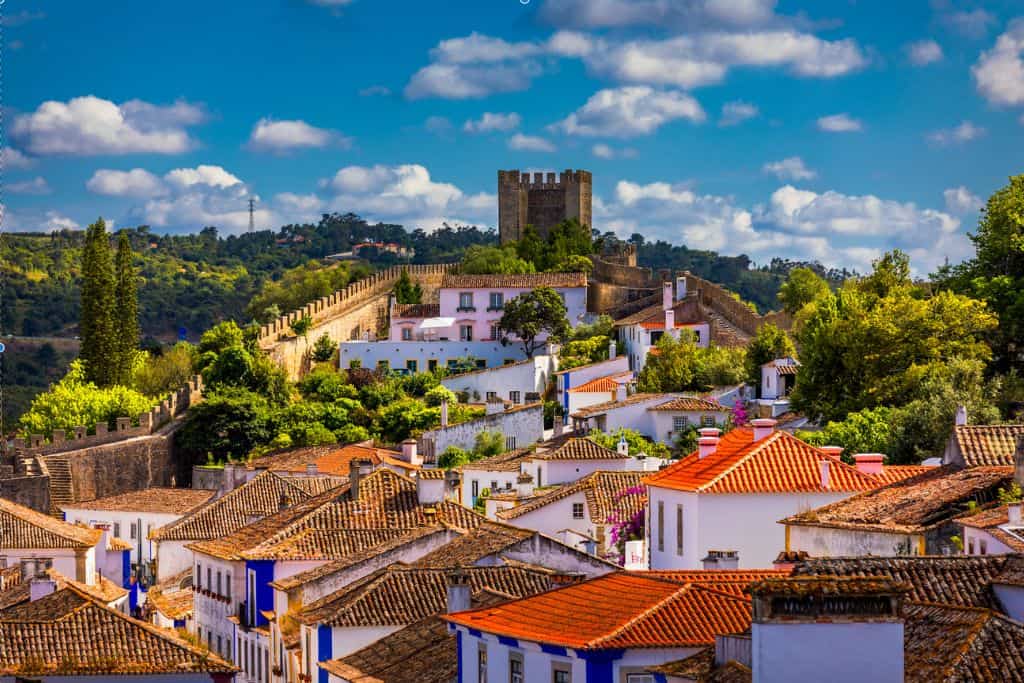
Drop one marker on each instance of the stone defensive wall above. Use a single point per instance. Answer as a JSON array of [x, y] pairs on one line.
[[359, 311], [721, 301]]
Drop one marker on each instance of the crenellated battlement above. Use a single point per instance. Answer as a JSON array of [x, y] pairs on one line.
[[542, 200], [544, 181]]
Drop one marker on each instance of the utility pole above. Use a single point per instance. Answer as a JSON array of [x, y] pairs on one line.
[[252, 217]]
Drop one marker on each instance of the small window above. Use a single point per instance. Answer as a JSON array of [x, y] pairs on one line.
[[133, 530], [383, 365], [465, 333], [982, 546], [497, 301], [117, 529], [220, 645], [209, 578], [432, 364], [680, 423], [639, 678], [561, 673], [661, 526], [514, 396], [199, 575], [577, 510], [466, 301], [412, 366], [481, 663], [679, 529], [475, 489], [406, 334], [495, 332], [227, 593], [510, 443], [491, 394], [480, 363], [509, 361], [220, 591], [515, 668], [494, 485], [697, 334], [707, 421], [970, 546]]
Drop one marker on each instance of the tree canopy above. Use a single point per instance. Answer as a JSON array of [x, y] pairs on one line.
[[680, 365], [533, 314]]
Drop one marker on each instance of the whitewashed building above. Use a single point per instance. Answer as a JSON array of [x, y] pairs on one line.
[[519, 382], [641, 331], [659, 417]]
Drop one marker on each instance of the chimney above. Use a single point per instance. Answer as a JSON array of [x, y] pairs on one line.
[[666, 295], [869, 463], [358, 469], [444, 414], [680, 287], [409, 453], [621, 392], [787, 559], [40, 587], [722, 559], [430, 489], [833, 452], [670, 321], [104, 543], [622, 448], [763, 427], [1018, 461], [961, 416], [1013, 512], [460, 593], [524, 485], [826, 474], [706, 445], [613, 349]]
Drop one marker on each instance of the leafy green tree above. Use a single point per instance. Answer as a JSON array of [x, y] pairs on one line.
[[531, 246], [579, 352], [481, 260], [802, 287], [865, 431], [98, 332], [323, 349], [302, 326], [406, 417], [531, 315], [488, 444], [637, 443], [229, 423], [326, 385], [681, 365], [406, 291], [453, 457], [126, 317], [161, 374], [299, 285], [439, 394], [219, 337], [566, 241], [768, 344], [575, 264]]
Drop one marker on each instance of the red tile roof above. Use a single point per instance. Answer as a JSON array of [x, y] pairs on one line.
[[778, 463], [988, 444], [524, 281], [891, 474], [691, 404], [22, 527], [417, 311], [578, 448], [158, 499], [608, 383], [620, 610]]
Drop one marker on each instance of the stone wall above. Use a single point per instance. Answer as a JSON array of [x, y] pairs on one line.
[[32, 491], [721, 301], [525, 424], [352, 313], [609, 272]]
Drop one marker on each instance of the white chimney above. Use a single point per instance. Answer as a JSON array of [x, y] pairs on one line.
[[459, 592], [680, 288], [670, 321], [722, 559], [763, 427], [524, 485], [444, 414], [429, 490], [833, 452], [666, 295], [869, 463], [961, 415], [620, 392], [613, 349], [622, 448], [104, 543], [40, 587], [826, 474], [409, 453], [311, 469], [1013, 511], [710, 431], [706, 445]]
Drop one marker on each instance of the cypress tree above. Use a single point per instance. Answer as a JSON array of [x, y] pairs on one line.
[[126, 316], [97, 317]]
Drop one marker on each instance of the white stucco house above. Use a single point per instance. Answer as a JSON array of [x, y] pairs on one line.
[[993, 532], [519, 382], [641, 331], [659, 417], [567, 380]]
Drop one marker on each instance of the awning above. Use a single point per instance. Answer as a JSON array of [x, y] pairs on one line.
[[436, 323]]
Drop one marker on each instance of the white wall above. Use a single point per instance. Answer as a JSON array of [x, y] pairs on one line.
[[556, 516], [821, 541], [398, 352], [149, 521], [582, 399], [834, 652], [172, 558], [567, 471], [578, 376], [63, 560], [637, 340], [663, 422], [484, 479], [1011, 598], [523, 377]]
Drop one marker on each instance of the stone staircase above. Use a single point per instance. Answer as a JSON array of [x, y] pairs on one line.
[[28, 466], [61, 492], [723, 332]]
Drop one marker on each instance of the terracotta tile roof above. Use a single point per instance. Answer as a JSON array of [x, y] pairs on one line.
[[324, 544], [490, 538], [686, 312], [912, 505], [986, 519], [603, 384], [423, 652], [946, 643], [953, 580], [62, 601], [696, 667], [509, 461], [721, 578], [21, 527], [103, 589], [173, 597], [578, 448], [329, 460], [416, 311], [431, 473], [691, 404], [630, 400], [1012, 573], [986, 445], [602, 492], [890, 474], [524, 281], [619, 610], [159, 499], [824, 585], [261, 496], [778, 463], [93, 639], [399, 594], [118, 544]]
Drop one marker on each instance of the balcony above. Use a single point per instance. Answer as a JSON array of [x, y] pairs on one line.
[[466, 309]]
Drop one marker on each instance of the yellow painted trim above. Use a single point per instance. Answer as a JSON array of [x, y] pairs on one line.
[[787, 538], [921, 547]]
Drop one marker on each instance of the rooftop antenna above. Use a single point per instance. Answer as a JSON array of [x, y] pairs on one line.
[[252, 218]]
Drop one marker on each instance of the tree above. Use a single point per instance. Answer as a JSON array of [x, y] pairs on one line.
[[768, 344], [531, 315], [680, 365], [801, 288], [323, 349], [407, 292], [637, 443], [99, 346], [126, 319], [159, 375], [865, 431], [485, 260], [575, 264]]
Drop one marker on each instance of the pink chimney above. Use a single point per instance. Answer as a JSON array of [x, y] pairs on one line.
[[869, 463], [763, 427], [833, 452]]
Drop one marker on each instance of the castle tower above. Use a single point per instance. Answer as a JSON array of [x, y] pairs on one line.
[[542, 200]]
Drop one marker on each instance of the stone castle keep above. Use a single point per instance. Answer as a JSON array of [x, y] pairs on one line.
[[542, 201]]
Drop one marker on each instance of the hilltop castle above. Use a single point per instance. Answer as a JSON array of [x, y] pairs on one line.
[[541, 201]]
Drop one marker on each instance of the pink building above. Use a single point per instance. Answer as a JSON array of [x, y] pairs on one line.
[[471, 305]]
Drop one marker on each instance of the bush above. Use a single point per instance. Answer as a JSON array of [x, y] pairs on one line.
[[161, 374], [637, 443], [324, 384], [438, 395], [323, 349]]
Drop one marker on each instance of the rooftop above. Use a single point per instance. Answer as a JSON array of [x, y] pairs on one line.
[[416, 311], [608, 383], [988, 445], [630, 400], [22, 527], [509, 461], [653, 317], [619, 610], [912, 505], [602, 492], [777, 463], [577, 448], [996, 521], [158, 499], [691, 404], [951, 643], [330, 460], [173, 597], [490, 538], [524, 281]]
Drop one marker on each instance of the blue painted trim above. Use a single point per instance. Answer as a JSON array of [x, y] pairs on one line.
[[264, 570], [554, 650], [126, 568], [600, 664], [473, 632], [180, 623], [660, 678], [458, 654], [565, 398], [511, 642], [323, 650]]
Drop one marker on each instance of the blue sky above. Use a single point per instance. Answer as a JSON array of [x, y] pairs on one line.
[[824, 130]]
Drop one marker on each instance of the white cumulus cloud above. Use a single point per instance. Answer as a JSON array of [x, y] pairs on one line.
[[924, 52], [491, 122], [790, 168], [530, 143], [12, 158], [960, 201], [964, 132], [283, 136], [734, 113], [630, 111], [37, 185], [604, 151], [999, 72], [138, 182], [840, 123], [676, 13]]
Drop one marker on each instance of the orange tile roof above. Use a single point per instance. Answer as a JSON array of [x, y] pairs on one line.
[[159, 499], [619, 610], [602, 384], [983, 445], [524, 281], [578, 448], [632, 399], [660, 325], [890, 474], [22, 527], [691, 404], [778, 463], [602, 491], [329, 460]]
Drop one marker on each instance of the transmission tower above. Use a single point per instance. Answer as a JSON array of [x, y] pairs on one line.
[[252, 215]]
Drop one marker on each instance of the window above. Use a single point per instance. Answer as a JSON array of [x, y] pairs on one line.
[[707, 421], [661, 526], [497, 301], [475, 489], [465, 333], [481, 663], [480, 363], [209, 578], [133, 530], [538, 477], [252, 597], [199, 575], [466, 301], [970, 546], [680, 423], [639, 678], [383, 365], [412, 366], [220, 645], [679, 529], [495, 332], [577, 510], [514, 396], [509, 361], [227, 594], [515, 668], [406, 334], [491, 394], [227, 654], [510, 443], [117, 529], [561, 673], [220, 590], [697, 335], [982, 546], [432, 365]]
